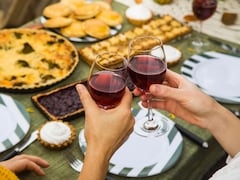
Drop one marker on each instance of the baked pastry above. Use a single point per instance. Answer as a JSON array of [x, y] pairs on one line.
[[138, 14], [100, 30], [87, 11], [56, 10], [165, 28], [73, 4], [111, 18], [103, 5], [31, 59], [56, 134], [73, 30], [57, 22], [173, 55], [65, 17]]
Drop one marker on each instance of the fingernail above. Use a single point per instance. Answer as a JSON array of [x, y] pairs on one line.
[[80, 88]]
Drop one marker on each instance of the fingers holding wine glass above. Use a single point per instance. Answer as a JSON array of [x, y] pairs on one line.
[[107, 82]]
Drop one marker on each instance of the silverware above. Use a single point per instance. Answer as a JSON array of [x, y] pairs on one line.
[[225, 46], [20, 147], [191, 136], [75, 163]]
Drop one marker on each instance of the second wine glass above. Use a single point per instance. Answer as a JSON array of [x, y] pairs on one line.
[[202, 9], [147, 66], [107, 79]]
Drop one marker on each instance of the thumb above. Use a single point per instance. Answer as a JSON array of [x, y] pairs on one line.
[[165, 92], [86, 99]]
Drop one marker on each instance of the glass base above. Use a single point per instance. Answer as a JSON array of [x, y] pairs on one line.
[[199, 42], [144, 128]]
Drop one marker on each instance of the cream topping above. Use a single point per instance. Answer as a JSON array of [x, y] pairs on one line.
[[55, 132], [138, 12], [172, 53]]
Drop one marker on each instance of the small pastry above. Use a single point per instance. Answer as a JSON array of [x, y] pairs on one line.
[[56, 134], [87, 11], [138, 14], [57, 22], [74, 30], [173, 55], [100, 30], [111, 18], [56, 10]]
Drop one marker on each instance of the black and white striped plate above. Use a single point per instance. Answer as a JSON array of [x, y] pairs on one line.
[[215, 73], [144, 156], [14, 122]]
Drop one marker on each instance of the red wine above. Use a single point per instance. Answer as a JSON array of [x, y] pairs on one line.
[[106, 88], [145, 70], [204, 9]]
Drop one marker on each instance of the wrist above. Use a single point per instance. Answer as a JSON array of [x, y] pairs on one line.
[[217, 119]]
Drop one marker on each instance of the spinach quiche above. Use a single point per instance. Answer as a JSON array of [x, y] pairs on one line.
[[31, 59]]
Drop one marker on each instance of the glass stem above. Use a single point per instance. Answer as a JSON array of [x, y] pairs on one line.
[[200, 30], [150, 113]]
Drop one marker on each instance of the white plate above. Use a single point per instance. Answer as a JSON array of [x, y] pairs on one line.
[[219, 76], [140, 156], [15, 122], [216, 73]]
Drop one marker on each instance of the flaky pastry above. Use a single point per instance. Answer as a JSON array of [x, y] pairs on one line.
[[96, 28]]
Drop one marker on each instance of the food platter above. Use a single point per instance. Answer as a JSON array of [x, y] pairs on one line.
[[32, 59], [82, 21], [113, 31]]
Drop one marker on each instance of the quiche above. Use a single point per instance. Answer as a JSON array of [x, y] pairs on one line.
[[31, 59]]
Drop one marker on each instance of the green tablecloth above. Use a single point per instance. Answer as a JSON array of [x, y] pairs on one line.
[[194, 160]]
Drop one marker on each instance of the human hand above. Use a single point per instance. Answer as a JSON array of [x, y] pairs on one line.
[[23, 162], [106, 130], [182, 98]]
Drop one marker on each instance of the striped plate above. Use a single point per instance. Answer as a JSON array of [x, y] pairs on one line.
[[14, 120], [217, 74], [144, 156]]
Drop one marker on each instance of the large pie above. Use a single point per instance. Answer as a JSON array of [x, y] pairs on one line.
[[31, 58]]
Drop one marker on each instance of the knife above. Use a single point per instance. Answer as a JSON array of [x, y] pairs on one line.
[[225, 46], [191, 136], [19, 148]]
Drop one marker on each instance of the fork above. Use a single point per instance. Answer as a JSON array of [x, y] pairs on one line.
[[75, 163]]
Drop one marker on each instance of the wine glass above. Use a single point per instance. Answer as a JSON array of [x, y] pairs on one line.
[[146, 66], [202, 9], [107, 81]]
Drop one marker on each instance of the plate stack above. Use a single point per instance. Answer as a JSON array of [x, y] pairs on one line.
[[217, 74]]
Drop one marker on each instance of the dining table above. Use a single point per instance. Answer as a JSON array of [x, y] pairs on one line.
[[194, 161]]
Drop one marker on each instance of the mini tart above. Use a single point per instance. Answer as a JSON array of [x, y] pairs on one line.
[[111, 18], [56, 10], [173, 55], [56, 134], [138, 14], [100, 30]]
